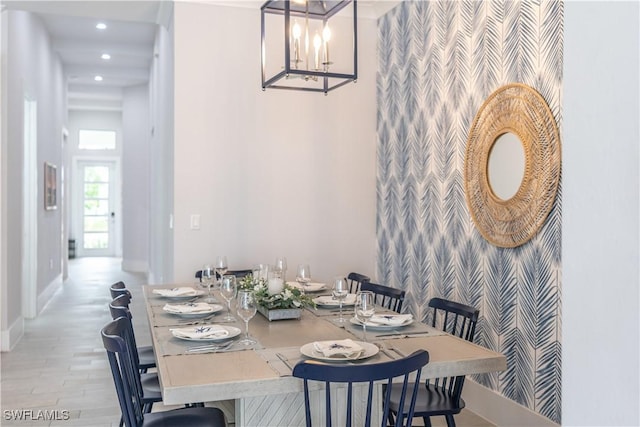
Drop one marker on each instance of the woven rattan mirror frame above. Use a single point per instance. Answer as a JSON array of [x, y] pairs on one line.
[[521, 110]]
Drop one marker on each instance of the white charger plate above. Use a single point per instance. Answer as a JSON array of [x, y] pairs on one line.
[[309, 287], [197, 293], [378, 326], [233, 332], [329, 302], [213, 308], [369, 350]]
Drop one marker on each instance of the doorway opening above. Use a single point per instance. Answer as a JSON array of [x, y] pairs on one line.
[[96, 208]]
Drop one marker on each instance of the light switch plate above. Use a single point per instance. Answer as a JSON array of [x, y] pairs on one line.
[[195, 222]]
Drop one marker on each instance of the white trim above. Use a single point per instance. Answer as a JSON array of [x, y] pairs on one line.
[[500, 410], [134, 266], [29, 208], [52, 288], [10, 337]]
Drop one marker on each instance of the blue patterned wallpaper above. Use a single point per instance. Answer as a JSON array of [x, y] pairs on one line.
[[438, 61]]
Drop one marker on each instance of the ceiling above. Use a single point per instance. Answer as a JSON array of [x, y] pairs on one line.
[[128, 38]]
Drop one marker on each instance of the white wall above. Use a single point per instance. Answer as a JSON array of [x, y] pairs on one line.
[[33, 70], [161, 101], [136, 179], [600, 214], [270, 173]]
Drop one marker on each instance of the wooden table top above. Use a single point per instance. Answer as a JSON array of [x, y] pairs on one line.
[[203, 377]]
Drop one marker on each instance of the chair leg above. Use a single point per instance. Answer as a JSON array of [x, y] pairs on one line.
[[121, 423], [450, 421], [426, 421], [146, 408], [390, 420]]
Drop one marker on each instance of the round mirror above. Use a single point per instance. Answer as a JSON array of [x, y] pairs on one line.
[[506, 166], [512, 165]]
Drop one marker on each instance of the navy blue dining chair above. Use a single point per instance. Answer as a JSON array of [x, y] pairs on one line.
[[118, 289], [128, 388], [355, 281], [385, 296], [349, 374], [149, 383], [443, 396], [145, 354], [238, 273]]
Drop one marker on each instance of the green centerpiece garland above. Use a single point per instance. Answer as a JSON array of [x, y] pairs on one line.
[[289, 297]]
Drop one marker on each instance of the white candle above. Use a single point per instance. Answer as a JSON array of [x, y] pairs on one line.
[[275, 286], [317, 41], [326, 36]]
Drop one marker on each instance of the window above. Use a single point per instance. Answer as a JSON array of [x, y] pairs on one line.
[[97, 140]]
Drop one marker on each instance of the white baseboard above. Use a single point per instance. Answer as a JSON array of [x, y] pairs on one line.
[[499, 410], [45, 296], [10, 337], [134, 266]]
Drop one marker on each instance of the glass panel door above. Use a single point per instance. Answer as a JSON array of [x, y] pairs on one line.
[[97, 208]]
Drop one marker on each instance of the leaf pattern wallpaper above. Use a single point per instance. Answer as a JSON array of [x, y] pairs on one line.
[[437, 63]]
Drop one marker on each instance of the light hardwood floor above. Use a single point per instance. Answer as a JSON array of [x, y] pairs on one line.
[[60, 364]]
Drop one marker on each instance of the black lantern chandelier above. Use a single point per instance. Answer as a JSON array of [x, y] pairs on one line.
[[306, 29]]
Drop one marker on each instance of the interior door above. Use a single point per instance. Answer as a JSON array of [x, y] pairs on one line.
[[96, 183]]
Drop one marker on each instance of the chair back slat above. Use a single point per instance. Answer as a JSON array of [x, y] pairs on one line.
[[369, 374], [355, 281], [385, 296]]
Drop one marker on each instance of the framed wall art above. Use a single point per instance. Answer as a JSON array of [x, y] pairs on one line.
[[50, 187]]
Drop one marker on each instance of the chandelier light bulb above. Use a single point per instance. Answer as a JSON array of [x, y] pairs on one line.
[[317, 43], [297, 31], [326, 33]]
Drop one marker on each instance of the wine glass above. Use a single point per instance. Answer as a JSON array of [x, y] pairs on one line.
[[207, 276], [364, 310], [246, 310], [340, 292], [221, 267], [281, 265], [303, 276], [228, 290]]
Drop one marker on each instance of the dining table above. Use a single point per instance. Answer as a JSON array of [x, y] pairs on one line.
[[258, 377]]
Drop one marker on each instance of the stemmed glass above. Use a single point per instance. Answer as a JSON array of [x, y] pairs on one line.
[[207, 276], [281, 265], [246, 310], [221, 267], [303, 276], [228, 290], [340, 292], [364, 310]]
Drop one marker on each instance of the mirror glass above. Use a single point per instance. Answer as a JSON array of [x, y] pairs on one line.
[[506, 165]]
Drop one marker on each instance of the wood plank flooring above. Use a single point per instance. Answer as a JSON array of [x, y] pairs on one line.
[[59, 368]]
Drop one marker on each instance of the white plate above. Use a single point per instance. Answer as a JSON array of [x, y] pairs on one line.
[[369, 350], [233, 332], [378, 326], [309, 287], [328, 301], [197, 293], [213, 308]]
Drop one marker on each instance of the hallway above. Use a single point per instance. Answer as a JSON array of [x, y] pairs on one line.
[[60, 363]]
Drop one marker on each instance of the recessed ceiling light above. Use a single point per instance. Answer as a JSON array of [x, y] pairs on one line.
[[101, 26], [105, 56], [98, 78]]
